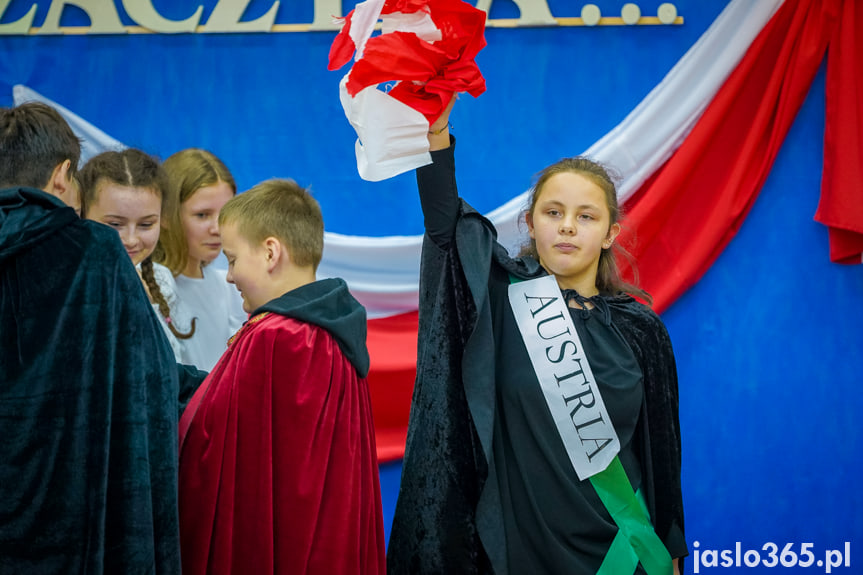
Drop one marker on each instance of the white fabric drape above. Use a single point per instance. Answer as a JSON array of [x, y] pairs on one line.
[[93, 140], [383, 272]]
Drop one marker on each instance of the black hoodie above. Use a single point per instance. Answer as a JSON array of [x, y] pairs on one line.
[[328, 304]]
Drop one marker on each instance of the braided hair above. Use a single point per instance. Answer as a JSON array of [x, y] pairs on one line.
[[159, 299]]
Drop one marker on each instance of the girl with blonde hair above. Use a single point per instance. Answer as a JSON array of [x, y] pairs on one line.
[[199, 185]]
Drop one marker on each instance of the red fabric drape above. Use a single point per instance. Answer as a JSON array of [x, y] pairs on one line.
[[392, 345], [841, 204], [684, 217]]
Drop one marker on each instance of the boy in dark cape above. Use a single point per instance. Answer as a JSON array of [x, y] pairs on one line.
[[447, 518], [278, 469], [88, 404]]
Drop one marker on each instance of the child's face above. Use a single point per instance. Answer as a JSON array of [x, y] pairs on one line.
[[571, 224], [134, 213], [248, 268], [200, 218]]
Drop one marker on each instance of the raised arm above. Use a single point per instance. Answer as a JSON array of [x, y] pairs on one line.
[[439, 131], [437, 185]]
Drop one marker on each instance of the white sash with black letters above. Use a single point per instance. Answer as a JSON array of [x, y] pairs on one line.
[[564, 374]]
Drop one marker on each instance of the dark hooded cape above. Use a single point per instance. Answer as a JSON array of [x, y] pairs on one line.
[[447, 519], [88, 401], [278, 468]]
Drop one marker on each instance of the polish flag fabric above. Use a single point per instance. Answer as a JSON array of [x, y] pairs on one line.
[[427, 52], [692, 203], [684, 216]]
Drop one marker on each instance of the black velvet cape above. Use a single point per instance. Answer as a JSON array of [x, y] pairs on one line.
[[88, 401], [446, 519]]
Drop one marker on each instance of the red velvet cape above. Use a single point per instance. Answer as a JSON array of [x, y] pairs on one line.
[[278, 472]]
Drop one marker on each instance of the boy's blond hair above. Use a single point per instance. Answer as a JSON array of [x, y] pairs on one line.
[[282, 209]]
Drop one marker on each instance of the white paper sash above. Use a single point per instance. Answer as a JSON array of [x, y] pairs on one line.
[[564, 374]]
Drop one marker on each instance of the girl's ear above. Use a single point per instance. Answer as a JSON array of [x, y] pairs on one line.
[[528, 219], [613, 232]]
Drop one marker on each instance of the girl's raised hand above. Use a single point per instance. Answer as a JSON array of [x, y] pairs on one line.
[[439, 131]]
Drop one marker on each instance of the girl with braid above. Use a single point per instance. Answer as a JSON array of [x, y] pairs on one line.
[[124, 191]]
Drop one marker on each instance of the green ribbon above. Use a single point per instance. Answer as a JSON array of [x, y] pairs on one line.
[[636, 539]]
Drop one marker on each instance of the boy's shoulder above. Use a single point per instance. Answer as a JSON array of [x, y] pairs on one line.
[[273, 337], [326, 304]]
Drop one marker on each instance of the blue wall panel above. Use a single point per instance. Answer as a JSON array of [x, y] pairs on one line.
[[769, 343]]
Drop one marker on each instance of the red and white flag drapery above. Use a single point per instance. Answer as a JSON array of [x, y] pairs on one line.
[[692, 205], [426, 50]]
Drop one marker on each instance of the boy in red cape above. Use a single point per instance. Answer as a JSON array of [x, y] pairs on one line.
[[278, 470]]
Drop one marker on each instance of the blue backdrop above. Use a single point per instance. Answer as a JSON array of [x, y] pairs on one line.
[[769, 343]]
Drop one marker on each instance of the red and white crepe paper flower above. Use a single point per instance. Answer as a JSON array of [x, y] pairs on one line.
[[426, 52]]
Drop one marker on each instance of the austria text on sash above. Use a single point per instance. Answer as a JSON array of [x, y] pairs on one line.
[[564, 374]]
